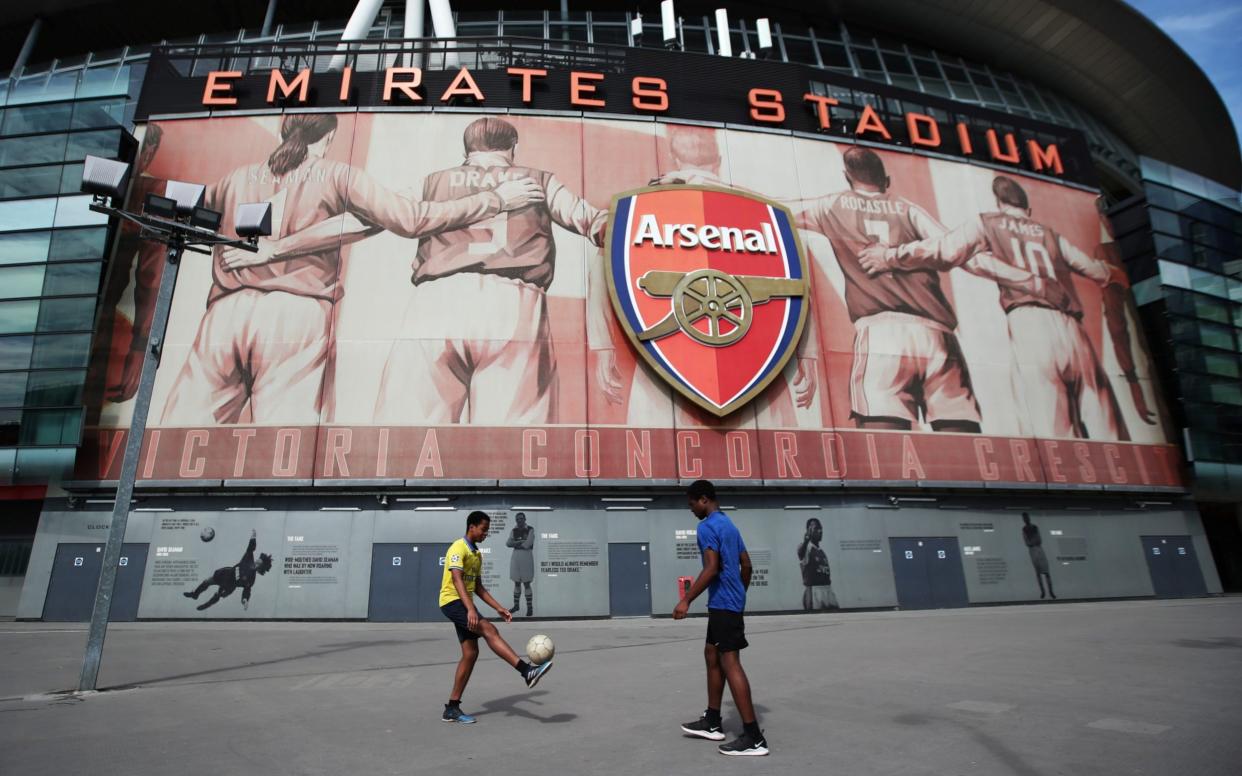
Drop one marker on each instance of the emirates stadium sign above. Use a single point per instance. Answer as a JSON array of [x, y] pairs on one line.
[[710, 287]]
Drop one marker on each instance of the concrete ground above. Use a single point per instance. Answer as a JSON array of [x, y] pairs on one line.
[[1140, 687]]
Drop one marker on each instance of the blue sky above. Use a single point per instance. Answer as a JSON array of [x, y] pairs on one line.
[[1210, 31]]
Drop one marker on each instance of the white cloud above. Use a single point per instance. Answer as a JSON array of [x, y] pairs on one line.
[[1198, 22]]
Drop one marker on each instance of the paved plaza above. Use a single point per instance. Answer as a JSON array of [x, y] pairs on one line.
[[1120, 687]]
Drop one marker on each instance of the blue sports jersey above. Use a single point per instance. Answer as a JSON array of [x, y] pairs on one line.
[[718, 533]]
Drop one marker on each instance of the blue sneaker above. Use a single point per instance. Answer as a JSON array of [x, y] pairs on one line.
[[455, 714], [536, 672]]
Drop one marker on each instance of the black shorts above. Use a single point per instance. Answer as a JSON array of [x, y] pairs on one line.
[[726, 630], [460, 615]]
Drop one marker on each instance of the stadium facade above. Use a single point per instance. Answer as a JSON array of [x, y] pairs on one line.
[[875, 275]]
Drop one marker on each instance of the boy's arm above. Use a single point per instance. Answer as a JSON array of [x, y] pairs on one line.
[[943, 252], [574, 213], [711, 567], [330, 234], [492, 602]]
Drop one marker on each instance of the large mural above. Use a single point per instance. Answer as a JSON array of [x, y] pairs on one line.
[[434, 305]]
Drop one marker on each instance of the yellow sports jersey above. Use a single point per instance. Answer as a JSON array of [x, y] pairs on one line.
[[460, 556]]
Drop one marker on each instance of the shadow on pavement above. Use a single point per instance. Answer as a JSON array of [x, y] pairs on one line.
[[511, 706]]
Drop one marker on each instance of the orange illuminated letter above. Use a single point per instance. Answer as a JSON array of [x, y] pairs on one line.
[[408, 88], [649, 94], [277, 81], [578, 89], [346, 76], [1044, 158], [821, 103], [216, 92], [924, 131], [463, 86], [963, 139], [1011, 148], [527, 73], [766, 105], [870, 121]]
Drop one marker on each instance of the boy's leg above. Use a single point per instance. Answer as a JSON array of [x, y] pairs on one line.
[[739, 685], [715, 677], [465, 666], [498, 643]]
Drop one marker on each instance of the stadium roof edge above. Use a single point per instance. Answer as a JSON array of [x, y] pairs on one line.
[[1106, 56]]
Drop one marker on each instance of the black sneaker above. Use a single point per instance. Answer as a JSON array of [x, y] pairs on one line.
[[704, 728], [536, 673], [744, 746]]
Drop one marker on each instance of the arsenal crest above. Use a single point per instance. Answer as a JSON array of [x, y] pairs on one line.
[[710, 286]]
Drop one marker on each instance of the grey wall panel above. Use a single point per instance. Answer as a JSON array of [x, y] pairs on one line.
[[862, 575], [571, 563], [674, 553]]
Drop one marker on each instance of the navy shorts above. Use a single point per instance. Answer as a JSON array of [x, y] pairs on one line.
[[457, 612], [726, 630]]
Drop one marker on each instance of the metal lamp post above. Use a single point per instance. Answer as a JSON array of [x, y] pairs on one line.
[[180, 222]]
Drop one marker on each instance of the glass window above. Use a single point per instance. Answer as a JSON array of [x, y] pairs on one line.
[[51, 427], [60, 388], [40, 149], [23, 247], [73, 244], [75, 314], [27, 214], [798, 50], [10, 426], [101, 81], [71, 179], [30, 181], [1223, 364], [18, 317], [56, 351], [31, 119], [76, 211], [77, 278], [104, 143], [615, 34], [834, 57], [18, 282], [574, 32], [12, 388], [15, 352]]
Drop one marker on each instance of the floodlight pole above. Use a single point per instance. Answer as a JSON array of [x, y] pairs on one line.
[[177, 237]]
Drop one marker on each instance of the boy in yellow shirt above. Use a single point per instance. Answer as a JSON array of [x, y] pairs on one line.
[[463, 578]]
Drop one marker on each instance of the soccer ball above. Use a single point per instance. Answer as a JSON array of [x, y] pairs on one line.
[[208, 534], [540, 649]]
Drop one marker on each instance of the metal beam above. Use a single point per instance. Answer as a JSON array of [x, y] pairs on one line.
[[129, 472], [23, 56], [357, 28], [415, 14], [268, 18]]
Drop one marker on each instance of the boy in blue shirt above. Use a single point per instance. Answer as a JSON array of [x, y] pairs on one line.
[[726, 576]]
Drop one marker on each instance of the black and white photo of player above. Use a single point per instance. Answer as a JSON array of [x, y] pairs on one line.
[[228, 578], [522, 563], [817, 592], [1035, 546]]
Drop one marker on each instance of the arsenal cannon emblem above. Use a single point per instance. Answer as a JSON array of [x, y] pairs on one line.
[[710, 286]]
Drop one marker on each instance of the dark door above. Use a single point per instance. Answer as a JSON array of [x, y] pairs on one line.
[[430, 577], [1173, 565], [944, 571], [394, 575], [405, 582], [910, 573], [75, 580], [928, 573], [629, 580]]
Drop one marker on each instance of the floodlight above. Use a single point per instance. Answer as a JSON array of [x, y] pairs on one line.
[[105, 177], [668, 26], [205, 218], [636, 29], [254, 220], [187, 195], [155, 205], [724, 45], [764, 28]]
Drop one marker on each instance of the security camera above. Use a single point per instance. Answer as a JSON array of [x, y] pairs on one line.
[[893, 500]]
